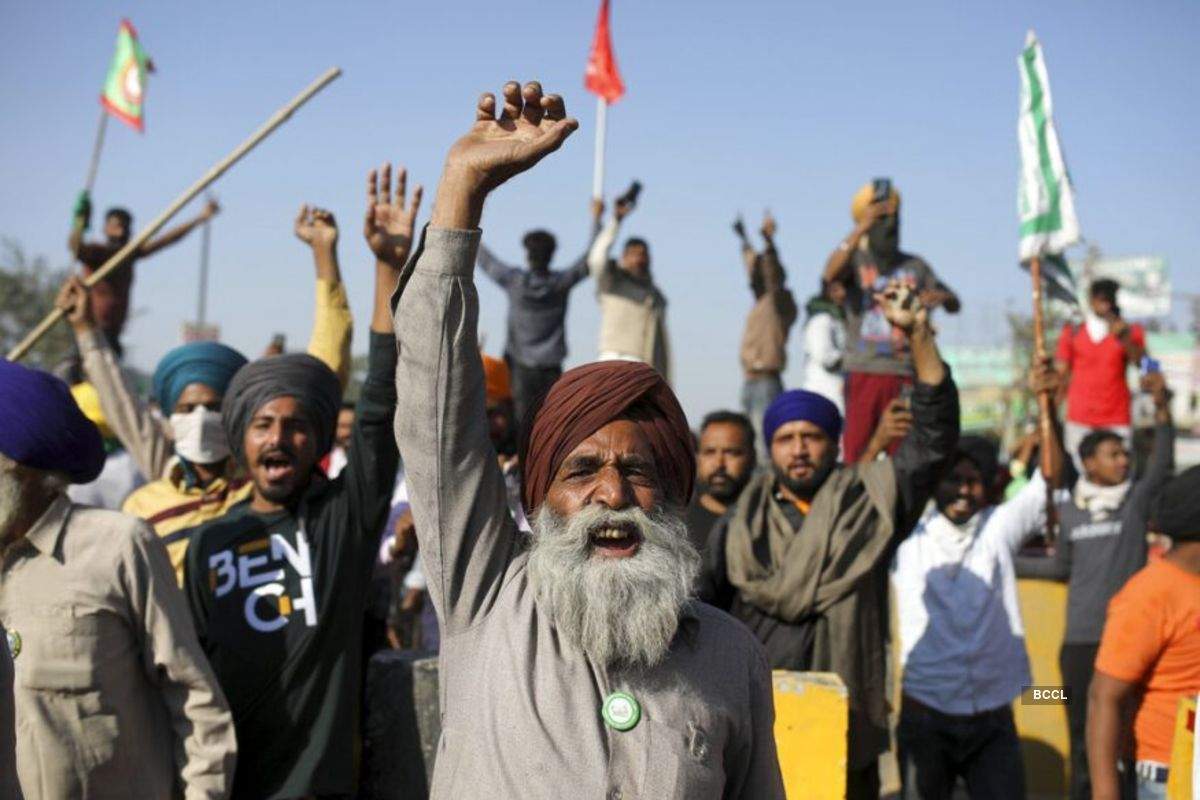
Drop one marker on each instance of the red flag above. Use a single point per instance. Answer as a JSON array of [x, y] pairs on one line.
[[601, 76]]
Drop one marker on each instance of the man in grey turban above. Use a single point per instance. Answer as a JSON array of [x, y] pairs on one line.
[[294, 390], [278, 585]]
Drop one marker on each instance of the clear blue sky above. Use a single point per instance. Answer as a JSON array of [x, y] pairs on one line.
[[730, 106]]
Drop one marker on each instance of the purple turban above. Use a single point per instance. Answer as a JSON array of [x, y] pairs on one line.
[[800, 405], [42, 427]]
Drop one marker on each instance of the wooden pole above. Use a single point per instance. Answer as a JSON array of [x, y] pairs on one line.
[[96, 148], [119, 258], [202, 294], [1045, 401]]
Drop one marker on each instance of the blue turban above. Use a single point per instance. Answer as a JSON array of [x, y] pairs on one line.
[[799, 405], [42, 427], [209, 363]]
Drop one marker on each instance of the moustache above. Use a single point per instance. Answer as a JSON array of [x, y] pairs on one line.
[[275, 453]]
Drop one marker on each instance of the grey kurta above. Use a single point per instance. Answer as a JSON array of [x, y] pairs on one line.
[[520, 707]]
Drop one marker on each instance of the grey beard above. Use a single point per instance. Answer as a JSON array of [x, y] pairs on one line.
[[618, 611], [10, 498]]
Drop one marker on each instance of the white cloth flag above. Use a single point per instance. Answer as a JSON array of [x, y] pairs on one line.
[[1044, 197]]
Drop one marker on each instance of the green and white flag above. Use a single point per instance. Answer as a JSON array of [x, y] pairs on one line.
[[1045, 200], [125, 85]]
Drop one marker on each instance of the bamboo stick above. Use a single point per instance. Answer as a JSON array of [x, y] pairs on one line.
[[218, 169]]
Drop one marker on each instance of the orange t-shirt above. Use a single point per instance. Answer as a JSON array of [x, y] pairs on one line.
[[1152, 638]]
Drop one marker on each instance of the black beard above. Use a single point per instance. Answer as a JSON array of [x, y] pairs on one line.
[[806, 487], [727, 492]]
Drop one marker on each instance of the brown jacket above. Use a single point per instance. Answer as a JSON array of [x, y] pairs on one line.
[[764, 342]]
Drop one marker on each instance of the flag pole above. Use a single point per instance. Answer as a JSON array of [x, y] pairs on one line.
[[217, 170], [96, 148], [1045, 402], [598, 167]]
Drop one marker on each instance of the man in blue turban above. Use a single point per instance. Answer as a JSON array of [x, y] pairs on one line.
[[801, 557], [185, 458], [92, 620]]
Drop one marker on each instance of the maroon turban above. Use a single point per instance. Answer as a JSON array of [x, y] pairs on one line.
[[587, 398]]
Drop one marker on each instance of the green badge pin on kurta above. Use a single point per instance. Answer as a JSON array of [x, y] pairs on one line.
[[14, 643], [620, 711]]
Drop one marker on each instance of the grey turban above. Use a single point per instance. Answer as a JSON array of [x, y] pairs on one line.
[[297, 375]]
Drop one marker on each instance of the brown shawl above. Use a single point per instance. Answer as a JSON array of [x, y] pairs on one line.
[[830, 569]]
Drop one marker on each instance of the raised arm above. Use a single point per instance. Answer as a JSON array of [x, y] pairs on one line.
[[837, 266], [1159, 466], [1132, 340], [211, 209], [332, 323], [80, 218], [578, 269], [748, 253], [372, 457], [934, 405], [466, 537], [895, 423], [599, 256], [145, 436], [496, 269]]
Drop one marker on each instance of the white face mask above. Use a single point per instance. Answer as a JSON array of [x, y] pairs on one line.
[[200, 436]]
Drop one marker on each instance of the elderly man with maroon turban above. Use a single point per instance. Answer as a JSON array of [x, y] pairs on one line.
[[572, 660]]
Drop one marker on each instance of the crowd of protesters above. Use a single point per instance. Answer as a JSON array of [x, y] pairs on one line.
[[191, 585]]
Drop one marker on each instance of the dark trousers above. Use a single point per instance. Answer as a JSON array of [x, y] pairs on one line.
[[867, 396], [528, 385], [863, 784], [936, 749], [1076, 662]]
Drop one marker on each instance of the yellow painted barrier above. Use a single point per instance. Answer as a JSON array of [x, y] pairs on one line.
[[1045, 746], [812, 716], [1183, 750]]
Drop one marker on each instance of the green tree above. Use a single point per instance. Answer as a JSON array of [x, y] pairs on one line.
[[27, 291]]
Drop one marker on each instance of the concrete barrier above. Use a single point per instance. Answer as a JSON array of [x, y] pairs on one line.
[[402, 726], [811, 721], [1045, 746], [1181, 775]]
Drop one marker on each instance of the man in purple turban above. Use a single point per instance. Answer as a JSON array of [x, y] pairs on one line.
[[800, 558], [93, 621]]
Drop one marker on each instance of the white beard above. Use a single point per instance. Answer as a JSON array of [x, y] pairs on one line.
[[10, 499], [618, 611]]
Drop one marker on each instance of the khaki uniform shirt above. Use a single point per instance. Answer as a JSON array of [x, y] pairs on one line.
[[114, 698], [521, 708], [9, 788]]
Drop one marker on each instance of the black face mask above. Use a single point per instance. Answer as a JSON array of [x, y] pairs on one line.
[[883, 238]]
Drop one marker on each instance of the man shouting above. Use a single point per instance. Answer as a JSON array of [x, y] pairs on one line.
[[801, 558], [573, 658]]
